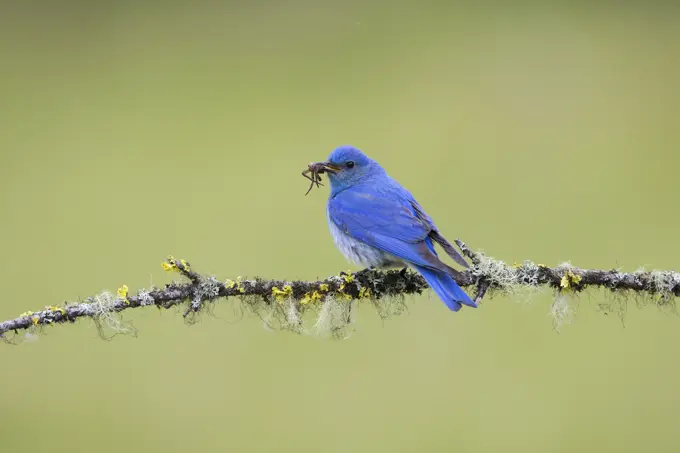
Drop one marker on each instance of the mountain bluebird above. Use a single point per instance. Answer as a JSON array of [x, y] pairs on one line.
[[375, 222]]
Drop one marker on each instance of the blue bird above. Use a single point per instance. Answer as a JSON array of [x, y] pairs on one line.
[[376, 222]]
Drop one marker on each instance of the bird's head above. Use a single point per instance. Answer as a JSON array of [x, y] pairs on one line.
[[347, 166]]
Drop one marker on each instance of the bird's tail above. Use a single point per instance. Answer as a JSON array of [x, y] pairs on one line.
[[446, 288]]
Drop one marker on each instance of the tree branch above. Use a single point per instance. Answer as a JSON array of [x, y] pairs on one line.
[[288, 301]]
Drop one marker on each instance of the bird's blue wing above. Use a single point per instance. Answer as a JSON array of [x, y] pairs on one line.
[[388, 213], [386, 218]]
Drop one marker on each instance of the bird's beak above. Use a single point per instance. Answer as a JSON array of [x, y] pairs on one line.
[[322, 167]]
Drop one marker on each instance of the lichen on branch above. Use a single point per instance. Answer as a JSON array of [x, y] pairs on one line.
[[328, 307]]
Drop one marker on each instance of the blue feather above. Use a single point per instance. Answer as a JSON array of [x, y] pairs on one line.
[[446, 288]]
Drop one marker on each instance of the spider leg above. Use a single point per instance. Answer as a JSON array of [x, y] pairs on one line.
[[318, 181], [311, 186]]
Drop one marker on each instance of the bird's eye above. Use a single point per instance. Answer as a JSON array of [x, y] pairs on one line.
[[350, 164]]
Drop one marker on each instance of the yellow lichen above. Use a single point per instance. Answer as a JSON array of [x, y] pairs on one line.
[[169, 264], [307, 298], [323, 287], [239, 285], [564, 283], [57, 308], [229, 284], [365, 293], [35, 320], [343, 294], [26, 313], [349, 278], [123, 293], [569, 279], [282, 294]]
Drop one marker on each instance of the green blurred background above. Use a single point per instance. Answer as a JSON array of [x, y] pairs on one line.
[[133, 129]]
